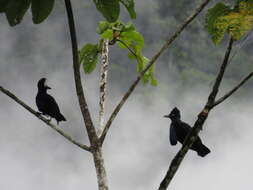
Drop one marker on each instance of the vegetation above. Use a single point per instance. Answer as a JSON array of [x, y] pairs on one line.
[[222, 21]]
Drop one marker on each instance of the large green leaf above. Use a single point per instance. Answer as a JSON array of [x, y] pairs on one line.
[[102, 27], [220, 9], [108, 34], [3, 4], [89, 57], [109, 8], [129, 4], [132, 39], [15, 11], [41, 10], [236, 22]]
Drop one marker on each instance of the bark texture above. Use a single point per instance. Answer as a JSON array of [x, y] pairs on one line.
[[100, 169], [103, 84]]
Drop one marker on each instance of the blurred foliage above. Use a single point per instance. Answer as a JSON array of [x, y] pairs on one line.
[[16, 9], [41, 9], [191, 56], [235, 21], [110, 9]]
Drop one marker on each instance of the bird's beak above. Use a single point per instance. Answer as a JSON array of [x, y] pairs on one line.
[[167, 116], [47, 87]]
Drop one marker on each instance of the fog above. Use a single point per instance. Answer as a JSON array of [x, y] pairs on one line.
[[137, 152]]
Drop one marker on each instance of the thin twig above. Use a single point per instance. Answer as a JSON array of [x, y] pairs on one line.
[[20, 102], [79, 89], [219, 77], [198, 125], [128, 47], [152, 61], [228, 94]]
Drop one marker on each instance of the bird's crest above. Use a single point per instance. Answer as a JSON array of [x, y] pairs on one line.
[[42, 84], [175, 113]]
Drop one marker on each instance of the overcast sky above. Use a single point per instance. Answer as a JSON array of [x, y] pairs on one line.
[[137, 151]]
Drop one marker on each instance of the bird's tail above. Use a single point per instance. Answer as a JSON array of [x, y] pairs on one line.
[[203, 150], [60, 117]]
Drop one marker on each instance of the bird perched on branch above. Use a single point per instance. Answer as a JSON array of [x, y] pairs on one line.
[[179, 130], [46, 103]]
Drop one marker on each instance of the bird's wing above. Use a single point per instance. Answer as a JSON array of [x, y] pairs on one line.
[[53, 106], [186, 127], [173, 136]]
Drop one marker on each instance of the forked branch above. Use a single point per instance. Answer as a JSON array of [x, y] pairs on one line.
[[152, 61], [228, 94], [20, 102]]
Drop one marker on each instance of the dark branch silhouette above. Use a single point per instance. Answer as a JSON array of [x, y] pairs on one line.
[[220, 75], [96, 149], [152, 61], [79, 89], [192, 136], [20, 102], [228, 94]]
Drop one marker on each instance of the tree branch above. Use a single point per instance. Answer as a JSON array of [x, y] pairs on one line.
[[191, 137], [228, 94], [127, 47], [219, 77], [20, 102], [79, 89], [103, 84], [152, 61]]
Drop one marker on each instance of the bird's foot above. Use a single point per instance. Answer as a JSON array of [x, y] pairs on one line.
[[38, 113], [49, 120]]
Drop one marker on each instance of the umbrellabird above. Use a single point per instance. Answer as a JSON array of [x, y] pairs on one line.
[[46, 103], [179, 130]]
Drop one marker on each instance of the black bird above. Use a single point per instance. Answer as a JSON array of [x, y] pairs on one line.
[[46, 103], [179, 131]]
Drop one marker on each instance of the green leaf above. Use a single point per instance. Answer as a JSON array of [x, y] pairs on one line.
[[41, 10], [102, 26], [108, 34], [213, 14], [132, 38], [129, 27], [236, 22], [15, 10], [129, 4], [89, 57], [154, 81], [3, 4], [110, 9]]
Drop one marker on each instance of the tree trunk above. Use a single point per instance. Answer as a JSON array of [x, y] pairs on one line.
[[100, 168]]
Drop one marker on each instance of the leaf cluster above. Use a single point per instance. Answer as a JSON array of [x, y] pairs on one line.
[[110, 9], [126, 36], [16, 9], [236, 21]]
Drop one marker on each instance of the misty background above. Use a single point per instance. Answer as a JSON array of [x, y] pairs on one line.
[[137, 151]]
